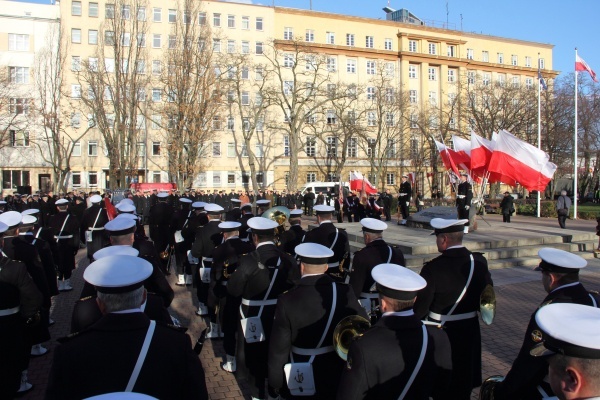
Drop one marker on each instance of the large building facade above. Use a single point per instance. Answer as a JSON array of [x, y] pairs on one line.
[[417, 66]]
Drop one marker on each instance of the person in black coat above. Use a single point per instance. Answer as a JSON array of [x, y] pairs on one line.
[[246, 215], [464, 196], [259, 279], [382, 361], [291, 238], [66, 231], [46, 245], [92, 227], [507, 206], [182, 244], [159, 221], [375, 252], [305, 318], [332, 237], [560, 278], [234, 213], [447, 276], [386, 198], [112, 346], [404, 195], [309, 202]]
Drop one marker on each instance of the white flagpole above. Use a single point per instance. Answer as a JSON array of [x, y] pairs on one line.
[[575, 146], [539, 197]]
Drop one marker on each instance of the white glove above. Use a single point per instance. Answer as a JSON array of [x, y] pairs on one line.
[[407, 203], [467, 207]]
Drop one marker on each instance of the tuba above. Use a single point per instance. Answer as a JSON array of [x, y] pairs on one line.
[[345, 331], [486, 392], [280, 215]]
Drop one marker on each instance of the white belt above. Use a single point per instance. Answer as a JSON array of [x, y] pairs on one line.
[[369, 295], [456, 317], [403, 194], [63, 237], [207, 259], [333, 265], [9, 311], [96, 229], [312, 352], [461, 196], [247, 302]]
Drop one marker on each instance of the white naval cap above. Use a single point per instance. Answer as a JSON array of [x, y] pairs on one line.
[[297, 213], [555, 260], [122, 396], [212, 208], [61, 202], [397, 282], [185, 200], [126, 200], [262, 226], [323, 209], [116, 251], [441, 225], [162, 195], [313, 253], [373, 225], [2, 202], [96, 198], [3, 227], [28, 220], [229, 226], [198, 204], [120, 226], [125, 207], [263, 202], [30, 211], [132, 217], [117, 274], [234, 200], [569, 329], [11, 218]]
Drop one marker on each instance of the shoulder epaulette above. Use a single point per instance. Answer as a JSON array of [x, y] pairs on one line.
[[181, 329], [545, 304], [85, 298], [71, 336]]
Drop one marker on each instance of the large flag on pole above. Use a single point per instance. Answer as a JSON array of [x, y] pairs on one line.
[[524, 163], [481, 154], [581, 65], [447, 158], [360, 183]]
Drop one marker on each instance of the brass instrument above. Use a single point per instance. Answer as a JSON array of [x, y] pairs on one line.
[[486, 392], [487, 304], [345, 332], [280, 215]]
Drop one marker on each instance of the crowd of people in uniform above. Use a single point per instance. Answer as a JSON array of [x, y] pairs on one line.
[[276, 297]]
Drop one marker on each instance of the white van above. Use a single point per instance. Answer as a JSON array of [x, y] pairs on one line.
[[322, 187]]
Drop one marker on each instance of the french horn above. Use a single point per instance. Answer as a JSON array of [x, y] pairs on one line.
[[486, 392], [346, 331]]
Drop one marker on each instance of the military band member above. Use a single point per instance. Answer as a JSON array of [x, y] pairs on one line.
[[180, 221], [375, 252], [234, 213], [66, 231], [260, 278], [47, 247], [207, 238], [126, 334], [330, 236], [399, 355], [292, 237], [262, 206], [159, 221], [560, 278], [92, 226], [571, 346], [464, 196], [455, 282], [305, 319], [404, 199], [246, 215], [20, 302], [225, 261]]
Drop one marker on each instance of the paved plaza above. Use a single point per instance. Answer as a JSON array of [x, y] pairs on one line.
[[519, 292]]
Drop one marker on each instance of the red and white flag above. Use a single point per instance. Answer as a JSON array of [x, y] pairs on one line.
[[447, 157], [360, 183], [481, 154], [581, 65], [524, 163]]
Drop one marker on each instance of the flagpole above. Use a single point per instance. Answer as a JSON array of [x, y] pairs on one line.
[[575, 145], [539, 201]]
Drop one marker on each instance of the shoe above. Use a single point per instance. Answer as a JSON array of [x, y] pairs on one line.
[[188, 280], [180, 280], [230, 364], [214, 332], [67, 285], [38, 350], [25, 385], [466, 230], [202, 310], [61, 285]]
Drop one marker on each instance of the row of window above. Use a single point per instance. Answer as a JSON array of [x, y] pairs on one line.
[[330, 38], [311, 176], [514, 59]]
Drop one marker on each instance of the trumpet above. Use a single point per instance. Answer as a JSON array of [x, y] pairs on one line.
[[346, 331]]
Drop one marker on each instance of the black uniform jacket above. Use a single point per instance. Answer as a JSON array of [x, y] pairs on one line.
[[291, 238], [89, 218], [527, 372], [464, 189], [325, 234], [374, 253], [300, 319], [381, 361], [102, 358], [208, 237]]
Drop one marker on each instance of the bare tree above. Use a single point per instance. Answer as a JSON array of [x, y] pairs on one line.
[[14, 105], [113, 86]]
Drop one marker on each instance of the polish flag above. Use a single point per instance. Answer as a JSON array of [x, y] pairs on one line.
[[514, 158], [462, 147], [581, 65], [481, 153], [447, 157], [360, 183], [111, 211]]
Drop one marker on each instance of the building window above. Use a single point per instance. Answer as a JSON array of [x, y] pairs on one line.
[[528, 61], [370, 93], [201, 18], [141, 13], [412, 71], [288, 34], [451, 50], [109, 11], [388, 44], [231, 178], [352, 148], [259, 48], [76, 179], [331, 64], [92, 148], [412, 46], [231, 46], [230, 149], [515, 81], [125, 12], [75, 35], [157, 14], [231, 21], [156, 148], [172, 16], [288, 60], [331, 117], [371, 144], [369, 42], [350, 39], [528, 83], [451, 75], [311, 146], [92, 178], [390, 179], [13, 179], [93, 10], [412, 96], [469, 54], [216, 123], [432, 73], [19, 138], [216, 149], [109, 38], [18, 42], [391, 148], [18, 106], [286, 146], [351, 66], [217, 45], [259, 23], [389, 119], [471, 77], [486, 78], [245, 98], [92, 36], [370, 67], [245, 47], [514, 60], [542, 63], [485, 56], [156, 177], [75, 120], [330, 38], [433, 98], [76, 149], [76, 91], [432, 48], [310, 35], [75, 8], [216, 20], [245, 22], [500, 58], [311, 177], [172, 41]]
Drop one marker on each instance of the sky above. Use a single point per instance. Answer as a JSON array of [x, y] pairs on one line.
[[565, 24]]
